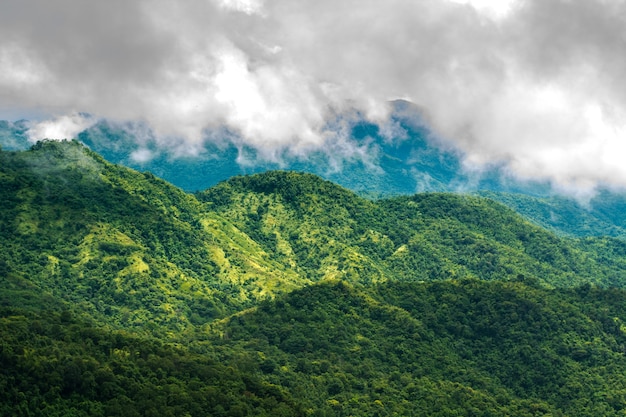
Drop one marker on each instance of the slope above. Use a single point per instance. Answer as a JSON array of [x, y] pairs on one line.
[[325, 232], [601, 215], [285, 294], [127, 247], [464, 347]]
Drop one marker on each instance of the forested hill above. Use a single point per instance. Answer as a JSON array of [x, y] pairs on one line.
[[325, 231], [130, 248], [285, 294], [125, 246]]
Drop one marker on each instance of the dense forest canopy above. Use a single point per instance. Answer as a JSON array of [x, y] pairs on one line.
[[284, 294]]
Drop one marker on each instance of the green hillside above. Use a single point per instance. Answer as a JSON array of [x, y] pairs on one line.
[[602, 215], [284, 294], [53, 363], [452, 348], [325, 231], [126, 247]]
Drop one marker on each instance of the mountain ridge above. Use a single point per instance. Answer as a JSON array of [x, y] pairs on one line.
[[70, 216], [411, 229], [414, 161], [285, 294]]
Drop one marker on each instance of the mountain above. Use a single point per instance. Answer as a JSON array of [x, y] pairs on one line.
[[403, 159], [326, 231], [13, 135], [127, 246], [440, 349], [413, 162], [282, 293], [408, 161], [602, 215], [130, 247]]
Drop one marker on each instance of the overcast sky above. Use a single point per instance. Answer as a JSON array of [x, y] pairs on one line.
[[538, 85]]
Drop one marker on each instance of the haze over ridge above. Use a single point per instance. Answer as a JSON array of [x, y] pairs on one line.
[[534, 85]]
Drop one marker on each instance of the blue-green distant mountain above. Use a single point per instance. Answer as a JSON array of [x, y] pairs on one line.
[[413, 162], [13, 135], [603, 215]]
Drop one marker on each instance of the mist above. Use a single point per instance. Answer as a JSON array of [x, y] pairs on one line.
[[536, 86]]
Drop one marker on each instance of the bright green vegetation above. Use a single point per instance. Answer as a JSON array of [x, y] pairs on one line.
[[284, 294], [325, 231], [124, 246]]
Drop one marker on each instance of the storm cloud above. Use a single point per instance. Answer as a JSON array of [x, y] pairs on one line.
[[535, 85]]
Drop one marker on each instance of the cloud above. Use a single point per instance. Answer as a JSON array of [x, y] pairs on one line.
[[142, 155], [536, 85], [494, 9], [63, 127]]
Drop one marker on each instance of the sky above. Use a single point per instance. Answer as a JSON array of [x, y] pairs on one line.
[[536, 86]]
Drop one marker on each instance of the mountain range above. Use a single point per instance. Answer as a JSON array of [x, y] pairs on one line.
[[285, 294], [408, 161]]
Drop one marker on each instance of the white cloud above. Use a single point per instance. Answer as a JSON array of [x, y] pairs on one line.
[[62, 127], [495, 9], [272, 107], [18, 69], [534, 84], [245, 6], [142, 155]]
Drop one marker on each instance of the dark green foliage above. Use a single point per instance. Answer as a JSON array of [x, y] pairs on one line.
[[55, 364], [284, 294], [443, 348]]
